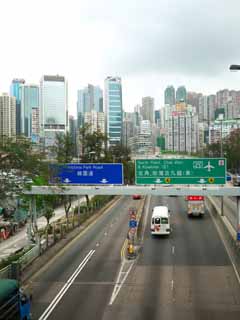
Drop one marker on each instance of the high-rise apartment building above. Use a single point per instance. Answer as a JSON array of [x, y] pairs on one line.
[[212, 106], [182, 132], [54, 107], [169, 95], [35, 130], [7, 115], [147, 110], [222, 98], [15, 92], [157, 118], [222, 129], [29, 98], [89, 99], [203, 110], [193, 99], [181, 94], [113, 109]]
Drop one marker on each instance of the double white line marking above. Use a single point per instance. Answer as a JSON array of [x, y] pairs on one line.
[[67, 285]]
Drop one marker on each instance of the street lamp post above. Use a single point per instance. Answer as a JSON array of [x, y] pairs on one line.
[[220, 118], [236, 67]]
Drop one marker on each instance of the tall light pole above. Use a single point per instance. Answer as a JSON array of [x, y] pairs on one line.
[[220, 118], [236, 67]]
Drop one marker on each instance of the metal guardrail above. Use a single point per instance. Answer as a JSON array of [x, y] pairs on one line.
[[5, 273], [29, 256]]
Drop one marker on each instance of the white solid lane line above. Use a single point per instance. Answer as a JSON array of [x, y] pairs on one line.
[[66, 286]]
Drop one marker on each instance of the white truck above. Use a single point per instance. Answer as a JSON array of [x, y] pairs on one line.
[[195, 206]]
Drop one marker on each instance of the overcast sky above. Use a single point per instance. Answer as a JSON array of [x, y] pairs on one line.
[[149, 43]]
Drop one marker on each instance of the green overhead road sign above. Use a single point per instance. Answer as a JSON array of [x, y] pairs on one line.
[[181, 171]]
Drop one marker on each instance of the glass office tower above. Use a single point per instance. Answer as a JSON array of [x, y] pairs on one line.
[[113, 109], [14, 92], [29, 98], [54, 107]]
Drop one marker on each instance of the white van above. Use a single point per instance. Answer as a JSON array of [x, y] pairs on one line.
[[160, 221]]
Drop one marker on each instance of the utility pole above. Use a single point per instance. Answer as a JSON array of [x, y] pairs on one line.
[[220, 117]]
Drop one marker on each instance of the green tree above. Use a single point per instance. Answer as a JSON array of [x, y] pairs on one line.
[[19, 163], [231, 149], [92, 144], [63, 148]]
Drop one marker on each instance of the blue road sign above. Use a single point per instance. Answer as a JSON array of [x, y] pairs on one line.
[[238, 235], [87, 173], [228, 178], [132, 224]]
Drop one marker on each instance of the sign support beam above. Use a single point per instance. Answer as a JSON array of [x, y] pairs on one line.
[[133, 189]]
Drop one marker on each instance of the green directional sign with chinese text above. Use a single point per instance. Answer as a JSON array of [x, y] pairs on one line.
[[181, 171]]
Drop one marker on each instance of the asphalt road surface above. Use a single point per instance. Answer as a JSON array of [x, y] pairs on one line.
[[187, 275], [96, 255]]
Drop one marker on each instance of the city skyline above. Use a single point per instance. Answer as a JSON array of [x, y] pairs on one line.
[[197, 57]]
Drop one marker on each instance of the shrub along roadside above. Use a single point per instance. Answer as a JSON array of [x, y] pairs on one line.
[[57, 230]]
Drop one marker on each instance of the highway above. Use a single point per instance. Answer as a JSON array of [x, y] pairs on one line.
[[91, 290], [185, 276]]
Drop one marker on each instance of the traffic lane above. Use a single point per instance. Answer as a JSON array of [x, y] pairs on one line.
[[47, 284], [90, 293], [195, 280]]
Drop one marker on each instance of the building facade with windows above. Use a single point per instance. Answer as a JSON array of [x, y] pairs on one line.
[[222, 129], [113, 109], [182, 132], [15, 92], [96, 120], [89, 99], [169, 95], [147, 109], [54, 107], [29, 98], [7, 115], [181, 94]]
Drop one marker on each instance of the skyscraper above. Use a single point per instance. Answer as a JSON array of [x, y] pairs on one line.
[[113, 109], [182, 133], [54, 107], [89, 99], [14, 92], [157, 117], [181, 94], [7, 115], [147, 109], [169, 96], [29, 98], [203, 112]]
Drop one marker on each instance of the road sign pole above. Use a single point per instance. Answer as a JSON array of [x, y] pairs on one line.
[[238, 219], [78, 210], [222, 213]]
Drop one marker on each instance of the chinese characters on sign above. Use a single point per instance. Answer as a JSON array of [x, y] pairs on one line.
[[181, 171]]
